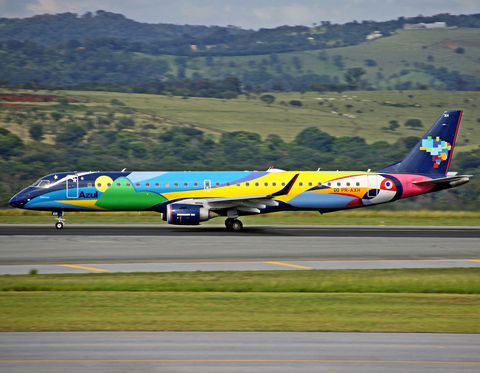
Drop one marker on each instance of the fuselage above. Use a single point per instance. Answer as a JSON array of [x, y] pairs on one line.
[[139, 191]]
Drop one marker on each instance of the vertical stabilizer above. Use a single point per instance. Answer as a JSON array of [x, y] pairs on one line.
[[433, 153]]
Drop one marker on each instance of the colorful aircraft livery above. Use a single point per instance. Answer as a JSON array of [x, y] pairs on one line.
[[437, 148], [188, 198]]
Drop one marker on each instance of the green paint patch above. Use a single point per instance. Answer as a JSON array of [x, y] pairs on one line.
[[125, 197]]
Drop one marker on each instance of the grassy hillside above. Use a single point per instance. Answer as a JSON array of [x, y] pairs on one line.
[[369, 112], [395, 57]]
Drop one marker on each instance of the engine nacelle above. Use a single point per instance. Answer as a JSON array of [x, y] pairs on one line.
[[184, 214]]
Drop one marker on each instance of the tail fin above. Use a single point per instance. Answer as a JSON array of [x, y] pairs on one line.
[[433, 153]]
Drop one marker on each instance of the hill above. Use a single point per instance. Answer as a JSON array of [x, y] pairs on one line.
[[67, 50], [44, 132]]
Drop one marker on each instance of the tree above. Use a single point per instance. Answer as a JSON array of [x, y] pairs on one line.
[[414, 123], [352, 76], [296, 103], [393, 125], [56, 116], [36, 132], [72, 135], [10, 144], [313, 138], [338, 61], [268, 99]]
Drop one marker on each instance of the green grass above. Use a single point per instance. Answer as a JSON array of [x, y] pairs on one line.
[[253, 115], [357, 217], [443, 280], [216, 116], [433, 300], [84, 311]]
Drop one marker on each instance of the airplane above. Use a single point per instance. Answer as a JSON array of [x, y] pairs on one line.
[[189, 198]]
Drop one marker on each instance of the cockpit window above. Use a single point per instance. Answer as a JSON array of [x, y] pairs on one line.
[[41, 183]]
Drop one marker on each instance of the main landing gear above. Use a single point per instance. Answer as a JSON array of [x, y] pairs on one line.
[[233, 225], [59, 217]]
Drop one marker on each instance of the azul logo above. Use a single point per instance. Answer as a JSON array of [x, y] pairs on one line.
[[88, 195], [437, 148]]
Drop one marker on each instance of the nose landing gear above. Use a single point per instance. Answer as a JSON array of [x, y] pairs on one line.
[[233, 225], [59, 217]]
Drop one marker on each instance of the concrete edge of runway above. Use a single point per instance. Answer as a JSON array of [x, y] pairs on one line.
[[24, 269]]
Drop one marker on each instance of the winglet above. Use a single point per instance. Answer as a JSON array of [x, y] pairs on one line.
[[286, 189]]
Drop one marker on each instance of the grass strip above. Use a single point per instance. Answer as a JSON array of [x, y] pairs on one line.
[[182, 311], [357, 217], [432, 280], [394, 300]]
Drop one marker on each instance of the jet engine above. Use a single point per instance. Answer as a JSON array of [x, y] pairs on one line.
[[184, 214]]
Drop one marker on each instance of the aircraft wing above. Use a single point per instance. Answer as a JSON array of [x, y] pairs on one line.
[[247, 204]]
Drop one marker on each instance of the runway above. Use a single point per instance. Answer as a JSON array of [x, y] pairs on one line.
[[248, 231], [44, 245], [210, 352]]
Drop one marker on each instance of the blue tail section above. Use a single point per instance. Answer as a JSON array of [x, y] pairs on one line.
[[433, 153]]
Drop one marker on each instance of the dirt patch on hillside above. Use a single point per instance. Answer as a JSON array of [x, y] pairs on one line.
[[28, 98]]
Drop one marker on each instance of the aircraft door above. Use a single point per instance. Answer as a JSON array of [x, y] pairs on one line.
[[72, 186], [372, 185], [207, 185]]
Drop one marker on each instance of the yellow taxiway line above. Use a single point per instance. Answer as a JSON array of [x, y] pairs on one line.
[[89, 268], [289, 265]]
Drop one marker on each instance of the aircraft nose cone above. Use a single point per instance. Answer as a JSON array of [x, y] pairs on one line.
[[16, 202]]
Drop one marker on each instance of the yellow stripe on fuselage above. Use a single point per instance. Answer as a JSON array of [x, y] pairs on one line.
[[88, 203], [301, 185]]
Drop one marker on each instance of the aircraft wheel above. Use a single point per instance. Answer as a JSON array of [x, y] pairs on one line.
[[59, 225], [228, 223], [236, 226]]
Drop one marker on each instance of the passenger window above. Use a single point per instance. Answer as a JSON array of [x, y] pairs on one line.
[[319, 184], [167, 185], [339, 184], [176, 184], [300, 184], [358, 184], [247, 184], [217, 184], [186, 184], [99, 185], [109, 185], [274, 184], [138, 184], [257, 184], [348, 184], [195, 184], [147, 185], [266, 184], [283, 184], [89, 185], [329, 184], [157, 185], [119, 185], [128, 185], [309, 184], [228, 184]]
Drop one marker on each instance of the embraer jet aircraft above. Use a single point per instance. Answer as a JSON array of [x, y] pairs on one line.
[[188, 198]]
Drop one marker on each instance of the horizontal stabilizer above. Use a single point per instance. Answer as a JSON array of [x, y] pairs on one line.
[[458, 178]]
